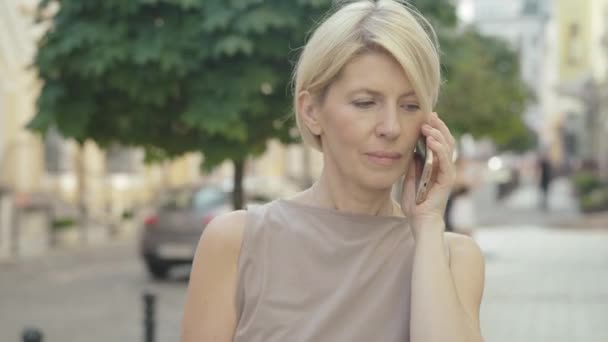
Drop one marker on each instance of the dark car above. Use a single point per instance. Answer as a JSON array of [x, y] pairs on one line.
[[171, 233]]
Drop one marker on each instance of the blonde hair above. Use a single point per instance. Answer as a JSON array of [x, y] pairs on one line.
[[357, 27]]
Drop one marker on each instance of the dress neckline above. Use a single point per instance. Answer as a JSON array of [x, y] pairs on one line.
[[338, 213]]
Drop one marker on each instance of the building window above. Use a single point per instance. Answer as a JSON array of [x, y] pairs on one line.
[[56, 153], [121, 159], [574, 45]]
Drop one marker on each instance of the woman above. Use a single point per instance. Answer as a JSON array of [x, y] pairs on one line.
[[342, 261]]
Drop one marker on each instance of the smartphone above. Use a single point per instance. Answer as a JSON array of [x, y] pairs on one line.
[[423, 181]]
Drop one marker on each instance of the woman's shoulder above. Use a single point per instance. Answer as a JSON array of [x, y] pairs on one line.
[[224, 234], [463, 249], [213, 280], [460, 241]]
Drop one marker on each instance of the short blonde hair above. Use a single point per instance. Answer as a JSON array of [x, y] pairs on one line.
[[356, 27]]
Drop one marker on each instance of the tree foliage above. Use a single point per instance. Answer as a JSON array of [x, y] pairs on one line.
[[174, 76], [483, 93]]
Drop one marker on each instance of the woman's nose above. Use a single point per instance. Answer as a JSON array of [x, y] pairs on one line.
[[388, 126]]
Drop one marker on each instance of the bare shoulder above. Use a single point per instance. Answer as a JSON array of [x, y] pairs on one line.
[[210, 311], [463, 245], [224, 233], [466, 257], [467, 266]]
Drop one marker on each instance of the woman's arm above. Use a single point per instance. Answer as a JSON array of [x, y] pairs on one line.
[[446, 297], [210, 313]]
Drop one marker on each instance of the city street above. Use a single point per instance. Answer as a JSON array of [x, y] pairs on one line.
[[542, 284], [89, 295], [545, 284], [546, 274], [545, 280], [127, 127]]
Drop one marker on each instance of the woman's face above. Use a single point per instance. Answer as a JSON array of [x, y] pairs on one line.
[[370, 121]]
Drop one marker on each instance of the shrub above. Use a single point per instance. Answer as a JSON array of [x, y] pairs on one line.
[[595, 200], [63, 223], [127, 215], [585, 182]]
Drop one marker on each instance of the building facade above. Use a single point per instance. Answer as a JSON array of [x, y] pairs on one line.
[[582, 30], [562, 46], [523, 24]]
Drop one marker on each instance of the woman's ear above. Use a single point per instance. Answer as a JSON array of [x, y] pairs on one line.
[[309, 112]]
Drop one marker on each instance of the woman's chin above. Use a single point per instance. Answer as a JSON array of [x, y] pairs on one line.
[[381, 181]]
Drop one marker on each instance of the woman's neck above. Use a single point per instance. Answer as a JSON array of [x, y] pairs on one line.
[[335, 193]]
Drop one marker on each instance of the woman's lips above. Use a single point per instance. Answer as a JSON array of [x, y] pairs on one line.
[[384, 158]]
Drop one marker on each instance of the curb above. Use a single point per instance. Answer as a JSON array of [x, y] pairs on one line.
[[597, 220], [69, 250], [584, 221]]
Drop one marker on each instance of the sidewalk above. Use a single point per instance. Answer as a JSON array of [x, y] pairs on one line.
[[544, 281], [34, 240], [522, 207], [544, 284]]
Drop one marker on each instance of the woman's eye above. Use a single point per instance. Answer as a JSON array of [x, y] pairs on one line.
[[411, 107], [364, 104]]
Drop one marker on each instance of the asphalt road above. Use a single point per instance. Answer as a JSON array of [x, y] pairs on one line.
[[87, 295]]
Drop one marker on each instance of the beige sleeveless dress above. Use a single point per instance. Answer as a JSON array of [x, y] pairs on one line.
[[315, 274]]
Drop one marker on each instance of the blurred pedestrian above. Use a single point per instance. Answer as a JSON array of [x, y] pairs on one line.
[[460, 211], [342, 260], [545, 175]]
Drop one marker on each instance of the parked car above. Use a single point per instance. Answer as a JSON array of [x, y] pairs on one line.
[[171, 233]]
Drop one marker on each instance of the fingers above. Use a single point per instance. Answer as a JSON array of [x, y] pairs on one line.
[[441, 141], [433, 134], [441, 151], [436, 128], [430, 131], [443, 128]]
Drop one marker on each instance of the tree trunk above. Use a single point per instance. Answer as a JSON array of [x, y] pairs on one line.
[[81, 192], [238, 193], [165, 180]]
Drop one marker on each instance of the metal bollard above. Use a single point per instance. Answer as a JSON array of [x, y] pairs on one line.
[[32, 335], [149, 317]]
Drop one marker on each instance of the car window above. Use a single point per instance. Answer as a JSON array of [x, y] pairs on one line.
[[208, 197], [176, 199], [188, 198]]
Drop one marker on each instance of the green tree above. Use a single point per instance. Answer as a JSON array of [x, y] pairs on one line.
[[483, 93], [441, 13], [172, 76]]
